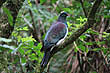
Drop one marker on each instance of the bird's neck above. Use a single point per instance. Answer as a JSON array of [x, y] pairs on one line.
[[62, 19]]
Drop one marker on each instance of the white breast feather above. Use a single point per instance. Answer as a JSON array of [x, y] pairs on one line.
[[62, 40]]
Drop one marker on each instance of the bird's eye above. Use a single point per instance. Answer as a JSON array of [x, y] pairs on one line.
[[63, 15]]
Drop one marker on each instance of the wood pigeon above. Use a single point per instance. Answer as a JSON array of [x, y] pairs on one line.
[[54, 36]]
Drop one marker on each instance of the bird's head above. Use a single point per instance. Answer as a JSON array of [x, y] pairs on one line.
[[63, 16]]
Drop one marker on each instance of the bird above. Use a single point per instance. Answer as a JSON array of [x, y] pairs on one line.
[[55, 36]]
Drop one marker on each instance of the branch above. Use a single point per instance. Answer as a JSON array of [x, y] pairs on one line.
[[37, 2], [79, 62], [33, 22], [83, 8], [90, 22], [36, 31]]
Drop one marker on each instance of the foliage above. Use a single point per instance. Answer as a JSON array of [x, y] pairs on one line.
[[21, 52], [10, 18]]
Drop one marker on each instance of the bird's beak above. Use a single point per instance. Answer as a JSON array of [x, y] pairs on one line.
[[68, 15]]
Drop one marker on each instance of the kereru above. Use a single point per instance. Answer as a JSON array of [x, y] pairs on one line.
[[54, 36]]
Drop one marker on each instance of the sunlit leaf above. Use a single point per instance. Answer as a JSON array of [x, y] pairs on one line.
[[68, 10], [89, 43], [100, 42], [53, 1], [10, 17], [83, 48], [29, 3], [39, 46], [21, 50], [33, 57], [23, 60], [42, 1], [96, 49]]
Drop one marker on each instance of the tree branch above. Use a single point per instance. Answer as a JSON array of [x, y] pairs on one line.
[[36, 31], [85, 13], [79, 62]]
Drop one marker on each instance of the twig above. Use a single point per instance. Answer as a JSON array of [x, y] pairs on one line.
[[69, 52], [69, 61], [91, 66], [102, 28], [33, 23], [100, 37], [77, 48], [21, 68], [105, 59], [48, 67], [29, 24], [13, 66], [37, 2], [36, 33], [80, 65], [39, 33], [83, 8], [74, 66]]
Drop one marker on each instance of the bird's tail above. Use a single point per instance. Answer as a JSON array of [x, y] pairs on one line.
[[45, 59]]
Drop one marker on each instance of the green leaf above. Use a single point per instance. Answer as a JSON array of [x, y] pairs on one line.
[[105, 50], [28, 51], [83, 48], [100, 42], [69, 24], [93, 72], [106, 16], [39, 46], [33, 57], [89, 43], [96, 49], [68, 10], [10, 17], [92, 31], [83, 37], [27, 39], [21, 50], [42, 1], [23, 60], [87, 50], [25, 28], [53, 1], [22, 29], [31, 44], [29, 3], [76, 50]]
